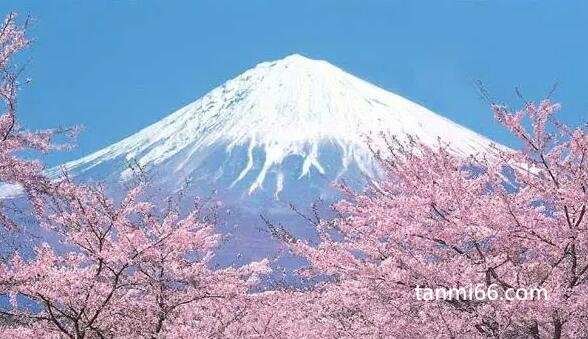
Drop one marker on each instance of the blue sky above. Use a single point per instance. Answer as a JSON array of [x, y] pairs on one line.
[[117, 66]]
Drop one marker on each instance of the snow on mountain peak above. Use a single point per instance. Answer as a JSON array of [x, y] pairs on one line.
[[290, 107]]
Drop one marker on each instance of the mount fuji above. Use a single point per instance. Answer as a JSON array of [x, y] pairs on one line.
[[278, 134]]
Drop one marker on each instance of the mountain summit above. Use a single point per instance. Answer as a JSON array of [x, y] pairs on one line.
[[292, 110]]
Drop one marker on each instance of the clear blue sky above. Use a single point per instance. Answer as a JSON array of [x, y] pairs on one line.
[[117, 66]]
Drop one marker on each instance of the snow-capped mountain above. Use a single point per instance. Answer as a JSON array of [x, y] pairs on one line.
[[293, 107], [279, 133]]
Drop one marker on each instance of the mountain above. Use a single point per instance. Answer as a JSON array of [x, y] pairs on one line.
[[277, 134]]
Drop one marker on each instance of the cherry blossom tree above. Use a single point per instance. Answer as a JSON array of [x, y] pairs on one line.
[[129, 273], [114, 269], [14, 169], [516, 219]]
